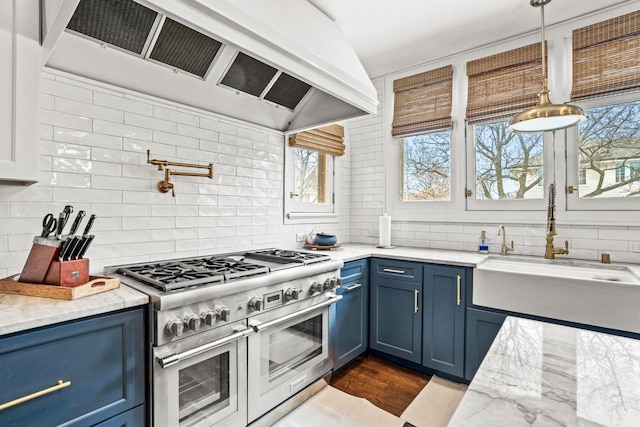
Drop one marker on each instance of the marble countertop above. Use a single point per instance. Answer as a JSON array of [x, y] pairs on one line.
[[20, 313], [540, 374], [355, 251]]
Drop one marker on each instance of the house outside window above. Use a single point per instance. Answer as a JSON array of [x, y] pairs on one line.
[[609, 151], [582, 176]]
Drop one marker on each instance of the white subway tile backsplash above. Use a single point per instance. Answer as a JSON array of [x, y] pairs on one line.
[[64, 90], [174, 115], [195, 132], [121, 103], [75, 136], [123, 130], [57, 118], [61, 179], [147, 122], [149, 248], [171, 139], [174, 234], [148, 223], [84, 109]]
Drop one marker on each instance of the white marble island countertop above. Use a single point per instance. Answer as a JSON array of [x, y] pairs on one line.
[[20, 313], [540, 374]]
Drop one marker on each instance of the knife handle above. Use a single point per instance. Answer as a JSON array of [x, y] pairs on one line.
[[87, 229], [76, 223]]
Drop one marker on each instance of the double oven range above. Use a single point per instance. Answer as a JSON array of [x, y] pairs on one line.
[[234, 335]]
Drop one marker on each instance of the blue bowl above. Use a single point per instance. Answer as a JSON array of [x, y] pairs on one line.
[[323, 239]]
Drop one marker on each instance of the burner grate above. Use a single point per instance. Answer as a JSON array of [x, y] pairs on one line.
[[231, 269], [171, 276], [281, 255]]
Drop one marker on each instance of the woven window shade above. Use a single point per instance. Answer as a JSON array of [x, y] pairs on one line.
[[422, 103], [324, 140], [503, 84], [606, 57]]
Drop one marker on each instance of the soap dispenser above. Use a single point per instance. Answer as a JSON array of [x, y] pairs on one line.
[[483, 245]]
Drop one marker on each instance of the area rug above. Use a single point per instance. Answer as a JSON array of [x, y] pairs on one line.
[[334, 408], [435, 404]]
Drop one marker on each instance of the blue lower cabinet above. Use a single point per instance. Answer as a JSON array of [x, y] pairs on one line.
[[349, 316], [91, 370], [443, 338], [396, 318], [132, 418], [482, 328]]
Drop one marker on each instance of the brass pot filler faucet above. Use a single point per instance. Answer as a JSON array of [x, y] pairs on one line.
[[165, 185]]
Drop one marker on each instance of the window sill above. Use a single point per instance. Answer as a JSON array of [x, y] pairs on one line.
[[310, 217]]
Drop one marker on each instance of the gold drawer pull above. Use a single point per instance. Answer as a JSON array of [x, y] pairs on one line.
[[32, 396], [459, 279], [391, 270], [415, 301]]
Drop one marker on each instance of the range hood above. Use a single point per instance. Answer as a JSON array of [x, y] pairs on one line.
[[278, 63]]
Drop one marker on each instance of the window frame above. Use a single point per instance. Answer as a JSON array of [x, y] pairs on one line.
[[606, 205], [300, 213], [509, 205]]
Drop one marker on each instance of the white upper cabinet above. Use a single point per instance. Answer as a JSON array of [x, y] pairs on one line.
[[19, 95]]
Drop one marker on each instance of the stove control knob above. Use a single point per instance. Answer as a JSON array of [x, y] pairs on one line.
[[292, 294], [328, 284], [175, 328], [255, 304], [208, 317], [338, 282], [315, 287], [191, 321], [223, 313]]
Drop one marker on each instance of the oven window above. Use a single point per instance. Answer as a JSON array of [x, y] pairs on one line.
[[204, 389], [294, 346]]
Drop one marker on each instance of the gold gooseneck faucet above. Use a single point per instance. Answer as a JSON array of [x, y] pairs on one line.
[[550, 251], [504, 249]]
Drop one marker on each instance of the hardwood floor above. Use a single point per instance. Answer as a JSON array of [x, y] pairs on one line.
[[386, 385]]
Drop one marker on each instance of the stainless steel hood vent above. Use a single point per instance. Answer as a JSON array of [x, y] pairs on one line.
[[278, 63], [287, 91], [184, 48], [248, 75], [122, 23]]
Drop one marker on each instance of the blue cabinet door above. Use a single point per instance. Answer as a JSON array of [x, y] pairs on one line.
[[443, 319], [482, 328], [98, 361], [395, 318], [132, 418], [349, 317]]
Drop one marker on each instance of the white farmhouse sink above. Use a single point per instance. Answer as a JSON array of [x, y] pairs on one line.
[[595, 294]]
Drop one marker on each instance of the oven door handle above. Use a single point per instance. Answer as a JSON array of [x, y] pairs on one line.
[[259, 326], [165, 362]]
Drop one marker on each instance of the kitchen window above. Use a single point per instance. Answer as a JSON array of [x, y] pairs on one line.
[[310, 158], [426, 167]]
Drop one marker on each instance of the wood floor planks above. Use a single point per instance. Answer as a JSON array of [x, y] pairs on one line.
[[386, 385]]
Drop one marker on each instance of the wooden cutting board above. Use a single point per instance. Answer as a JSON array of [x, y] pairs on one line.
[[95, 285]]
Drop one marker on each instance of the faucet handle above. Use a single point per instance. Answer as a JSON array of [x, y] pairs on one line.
[[511, 248], [566, 247]]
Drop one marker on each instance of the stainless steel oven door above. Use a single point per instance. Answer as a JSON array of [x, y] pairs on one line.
[[201, 380], [288, 352]]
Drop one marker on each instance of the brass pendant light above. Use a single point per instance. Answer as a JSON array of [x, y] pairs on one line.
[[546, 116]]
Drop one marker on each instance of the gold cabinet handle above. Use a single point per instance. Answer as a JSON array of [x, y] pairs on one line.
[[60, 385], [459, 280], [391, 270], [415, 301]]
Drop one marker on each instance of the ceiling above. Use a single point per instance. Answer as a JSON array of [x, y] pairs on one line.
[[390, 35]]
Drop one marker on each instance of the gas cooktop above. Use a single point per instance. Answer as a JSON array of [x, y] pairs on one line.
[[173, 275]]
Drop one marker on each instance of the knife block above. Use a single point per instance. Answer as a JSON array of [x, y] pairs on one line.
[[42, 254], [68, 273]]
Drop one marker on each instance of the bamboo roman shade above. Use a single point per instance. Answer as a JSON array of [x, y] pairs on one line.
[[422, 103], [503, 84], [606, 57], [326, 140]]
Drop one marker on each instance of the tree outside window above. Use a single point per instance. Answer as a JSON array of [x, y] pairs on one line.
[[426, 167], [310, 173], [508, 165], [609, 151]]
